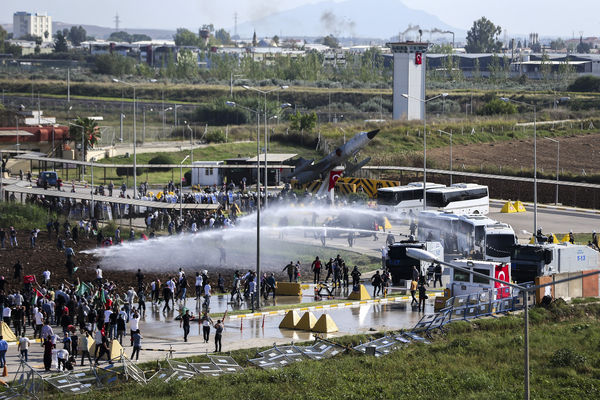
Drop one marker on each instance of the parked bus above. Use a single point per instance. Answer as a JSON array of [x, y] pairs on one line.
[[460, 198], [401, 200]]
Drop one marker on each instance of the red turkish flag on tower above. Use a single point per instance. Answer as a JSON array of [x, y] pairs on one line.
[[418, 58], [333, 178]]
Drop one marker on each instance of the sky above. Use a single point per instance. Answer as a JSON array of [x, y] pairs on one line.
[[546, 17]]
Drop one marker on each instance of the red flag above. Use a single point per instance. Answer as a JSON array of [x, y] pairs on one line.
[[333, 178]]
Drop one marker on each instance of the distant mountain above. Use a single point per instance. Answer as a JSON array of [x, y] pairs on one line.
[[352, 18], [101, 32]]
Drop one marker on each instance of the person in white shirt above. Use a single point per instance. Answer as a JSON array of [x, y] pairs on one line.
[[46, 277], [63, 356], [99, 276], [207, 295], [24, 347], [6, 312], [39, 322], [198, 286]]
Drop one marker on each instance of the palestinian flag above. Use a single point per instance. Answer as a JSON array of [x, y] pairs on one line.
[[36, 296], [82, 289]]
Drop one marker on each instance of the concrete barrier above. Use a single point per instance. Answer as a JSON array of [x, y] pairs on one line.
[[288, 289]]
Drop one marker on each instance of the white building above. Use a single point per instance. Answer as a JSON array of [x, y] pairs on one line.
[[409, 79], [33, 24], [207, 173]]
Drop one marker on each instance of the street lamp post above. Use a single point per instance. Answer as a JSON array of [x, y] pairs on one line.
[[233, 104], [557, 165], [424, 101], [506, 100], [181, 189], [1, 176], [134, 137], [449, 134], [144, 129], [264, 93], [92, 202], [164, 113], [175, 114], [191, 140]]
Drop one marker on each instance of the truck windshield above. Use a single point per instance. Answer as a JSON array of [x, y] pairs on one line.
[[499, 245]]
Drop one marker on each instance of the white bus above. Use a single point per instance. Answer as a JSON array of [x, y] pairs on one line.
[[460, 198], [399, 201], [474, 236]]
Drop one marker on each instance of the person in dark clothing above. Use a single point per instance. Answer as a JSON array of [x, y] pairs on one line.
[[355, 277], [437, 273], [140, 279], [376, 281], [18, 268], [422, 297], [345, 271], [329, 268], [137, 345], [290, 270], [185, 321], [75, 233], [218, 335], [104, 349], [48, 346]]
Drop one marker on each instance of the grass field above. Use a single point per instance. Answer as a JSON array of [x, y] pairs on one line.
[[478, 360]]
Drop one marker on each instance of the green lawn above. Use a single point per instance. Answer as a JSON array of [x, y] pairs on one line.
[[478, 360]]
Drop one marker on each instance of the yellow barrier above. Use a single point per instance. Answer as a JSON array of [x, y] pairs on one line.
[[288, 289]]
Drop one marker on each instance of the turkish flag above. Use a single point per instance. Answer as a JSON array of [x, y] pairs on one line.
[[333, 178], [418, 58], [502, 273]]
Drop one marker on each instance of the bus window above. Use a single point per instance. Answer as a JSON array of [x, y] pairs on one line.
[[460, 276], [478, 279]]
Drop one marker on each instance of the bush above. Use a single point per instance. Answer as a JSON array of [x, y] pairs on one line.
[[586, 83], [128, 171], [497, 106], [215, 137], [567, 358], [161, 159], [24, 216]]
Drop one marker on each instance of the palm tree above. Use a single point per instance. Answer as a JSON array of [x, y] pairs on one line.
[[90, 131]]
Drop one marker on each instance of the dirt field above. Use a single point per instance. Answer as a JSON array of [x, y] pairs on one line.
[[577, 153]]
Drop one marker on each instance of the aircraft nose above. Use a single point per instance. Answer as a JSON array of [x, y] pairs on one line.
[[372, 134]]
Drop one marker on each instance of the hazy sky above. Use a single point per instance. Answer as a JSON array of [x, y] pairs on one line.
[[547, 17]]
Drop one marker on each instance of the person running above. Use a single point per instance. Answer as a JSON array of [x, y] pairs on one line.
[[422, 296], [316, 269], [413, 292], [376, 281], [198, 286], [290, 270], [104, 349], [218, 335], [205, 322], [185, 321], [270, 285]]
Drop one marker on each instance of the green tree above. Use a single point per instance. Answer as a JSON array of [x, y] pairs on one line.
[[483, 37], [140, 37], [441, 49], [494, 67], [90, 132], [565, 71], [120, 36], [476, 70], [76, 35], [558, 44], [114, 64], [185, 37], [583, 47], [545, 67], [303, 122], [222, 36], [60, 43], [331, 41], [187, 65]]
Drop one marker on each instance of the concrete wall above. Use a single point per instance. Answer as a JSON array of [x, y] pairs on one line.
[[585, 287]]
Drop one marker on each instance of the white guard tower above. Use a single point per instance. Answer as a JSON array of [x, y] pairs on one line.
[[409, 78]]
